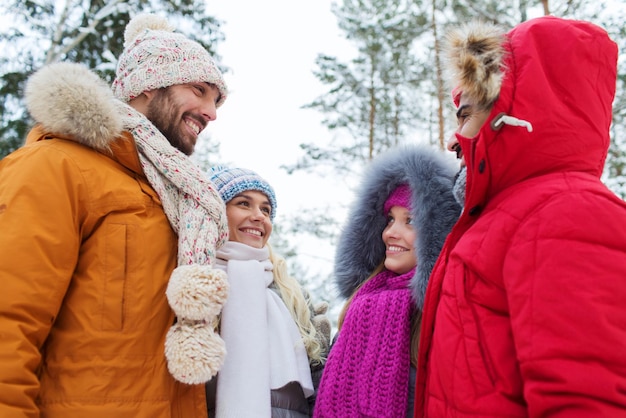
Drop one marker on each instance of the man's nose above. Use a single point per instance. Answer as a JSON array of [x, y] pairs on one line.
[[209, 110], [452, 143]]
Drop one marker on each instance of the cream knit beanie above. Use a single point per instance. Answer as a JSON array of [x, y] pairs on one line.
[[155, 57]]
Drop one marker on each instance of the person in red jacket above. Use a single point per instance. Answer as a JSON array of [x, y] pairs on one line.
[[524, 314]]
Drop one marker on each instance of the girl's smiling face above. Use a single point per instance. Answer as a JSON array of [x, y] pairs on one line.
[[399, 237]]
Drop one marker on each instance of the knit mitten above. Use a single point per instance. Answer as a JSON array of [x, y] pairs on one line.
[[322, 326], [194, 351]]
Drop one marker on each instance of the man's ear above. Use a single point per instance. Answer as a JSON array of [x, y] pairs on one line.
[[140, 103], [148, 94]]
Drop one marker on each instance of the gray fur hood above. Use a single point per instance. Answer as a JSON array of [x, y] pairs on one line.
[[70, 100], [430, 176]]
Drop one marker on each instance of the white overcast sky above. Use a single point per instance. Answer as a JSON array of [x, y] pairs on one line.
[[271, 47]]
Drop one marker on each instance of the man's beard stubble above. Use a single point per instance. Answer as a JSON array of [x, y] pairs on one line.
[[163, 113]]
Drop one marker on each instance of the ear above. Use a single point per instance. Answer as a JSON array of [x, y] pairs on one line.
[[148, 94], [141, 102]]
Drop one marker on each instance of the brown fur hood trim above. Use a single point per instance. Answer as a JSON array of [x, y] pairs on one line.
[[70, 100], [475, 55]]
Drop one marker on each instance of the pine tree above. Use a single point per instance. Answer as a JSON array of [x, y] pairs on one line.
[[371, 102], [393, 91]]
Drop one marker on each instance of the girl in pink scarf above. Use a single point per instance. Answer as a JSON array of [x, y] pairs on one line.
[[403, 212]]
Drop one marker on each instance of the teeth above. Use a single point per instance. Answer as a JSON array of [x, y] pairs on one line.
[[193, 126], [252, 231], [394, 248]]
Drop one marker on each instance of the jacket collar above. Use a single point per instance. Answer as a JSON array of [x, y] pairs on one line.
[[122, 150]]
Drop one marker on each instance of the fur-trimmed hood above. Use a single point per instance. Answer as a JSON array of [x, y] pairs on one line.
[[70, 100], [360, 248], [545, 117]]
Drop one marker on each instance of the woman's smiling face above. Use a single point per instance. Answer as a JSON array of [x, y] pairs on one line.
[[399, 237], [249, 218]]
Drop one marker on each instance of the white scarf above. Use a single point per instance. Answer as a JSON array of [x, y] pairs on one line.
[[196, 292], [265, 348]]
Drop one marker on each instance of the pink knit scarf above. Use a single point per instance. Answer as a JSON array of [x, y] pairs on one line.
[[367, 372]]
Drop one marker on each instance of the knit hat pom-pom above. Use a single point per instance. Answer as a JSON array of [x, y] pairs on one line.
[[194, 352], [144, 22], [197, 292]]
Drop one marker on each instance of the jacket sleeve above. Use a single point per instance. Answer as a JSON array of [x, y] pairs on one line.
[[39, 244], [565, 276]]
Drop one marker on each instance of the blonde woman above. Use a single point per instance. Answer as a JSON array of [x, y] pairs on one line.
[[275, 352]]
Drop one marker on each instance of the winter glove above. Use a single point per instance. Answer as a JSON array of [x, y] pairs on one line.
[[322, 326]]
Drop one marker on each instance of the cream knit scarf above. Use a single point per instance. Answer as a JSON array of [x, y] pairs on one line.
[[196, 292], [265, 348]]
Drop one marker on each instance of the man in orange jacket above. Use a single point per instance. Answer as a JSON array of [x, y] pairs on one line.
[[108, 234]]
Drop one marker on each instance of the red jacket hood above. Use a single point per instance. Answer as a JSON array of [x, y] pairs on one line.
[[564, 86]]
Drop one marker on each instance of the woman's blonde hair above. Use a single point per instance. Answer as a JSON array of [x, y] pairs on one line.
[[299, 307]]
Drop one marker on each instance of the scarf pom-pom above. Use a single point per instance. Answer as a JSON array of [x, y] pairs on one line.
[[194, 352], [197, 292]]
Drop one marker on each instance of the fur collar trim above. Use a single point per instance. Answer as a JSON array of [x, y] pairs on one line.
[[360, 248], [70, 100]]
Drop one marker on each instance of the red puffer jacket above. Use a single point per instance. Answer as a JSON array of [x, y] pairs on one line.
[[524, 314]]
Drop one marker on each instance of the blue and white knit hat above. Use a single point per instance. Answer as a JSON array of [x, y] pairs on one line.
[[155, 56], [230, 181]]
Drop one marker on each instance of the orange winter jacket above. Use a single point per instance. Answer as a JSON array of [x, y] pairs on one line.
[[86, 252]]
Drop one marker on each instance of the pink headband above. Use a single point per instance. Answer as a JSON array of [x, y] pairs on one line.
[[401, 196]]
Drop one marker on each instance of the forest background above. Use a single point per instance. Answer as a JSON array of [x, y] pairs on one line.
[[379, 86]]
